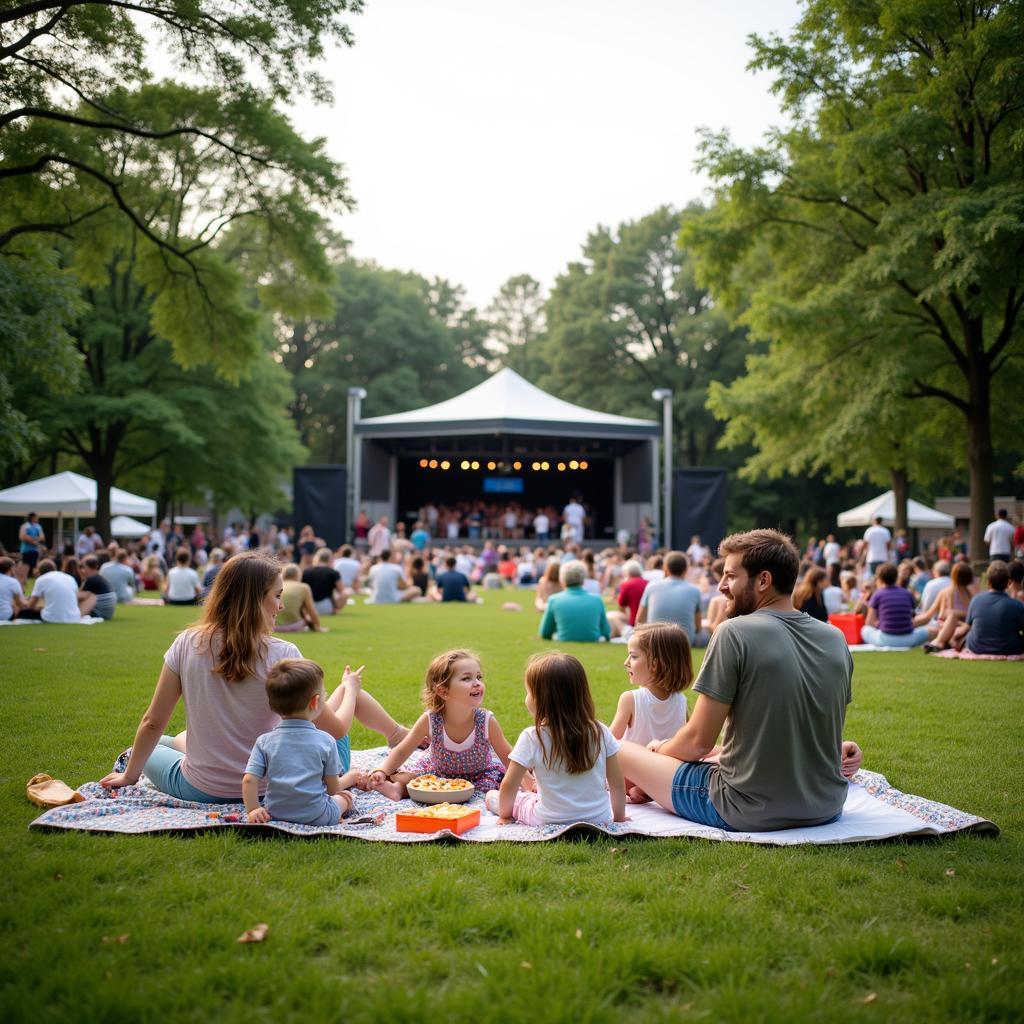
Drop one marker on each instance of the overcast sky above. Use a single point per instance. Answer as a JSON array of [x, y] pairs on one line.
[[485, 138]]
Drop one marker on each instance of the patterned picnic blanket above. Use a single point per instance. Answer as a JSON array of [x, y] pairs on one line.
[[874, 810]]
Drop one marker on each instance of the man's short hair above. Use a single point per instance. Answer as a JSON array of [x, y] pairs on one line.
[[183, 557], [291, 684], [998, 575], [6, 565], [385, 555], [91, 562], [573, 573], [1001, 514], [766, 551], [942, 567], [676, 563], [450, 562], [45, 566], [291, 572], [122, 555], [346, 552], [324, 555], [1016, 571], [632, 568], [877, 520]]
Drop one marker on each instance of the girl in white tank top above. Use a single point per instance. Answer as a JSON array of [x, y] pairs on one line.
[[659, 665]]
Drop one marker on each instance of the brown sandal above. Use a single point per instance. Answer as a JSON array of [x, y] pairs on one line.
[[46, 791]]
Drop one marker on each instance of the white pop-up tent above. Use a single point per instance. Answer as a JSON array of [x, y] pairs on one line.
[[125, 526], [919, 517], [72, 496]]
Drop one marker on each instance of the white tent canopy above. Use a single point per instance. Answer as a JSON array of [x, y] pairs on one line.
[[72, 495], [919, 517], [125, 526], [507, 402]]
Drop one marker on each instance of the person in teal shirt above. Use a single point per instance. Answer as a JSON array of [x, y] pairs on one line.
[[573, 614]]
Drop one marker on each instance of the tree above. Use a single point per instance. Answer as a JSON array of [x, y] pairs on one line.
[[58, 58], [517, 318], [630, 317], [892, 209], [402, 337]]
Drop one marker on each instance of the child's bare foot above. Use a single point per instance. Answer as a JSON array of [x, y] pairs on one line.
[[392, 790], [491, 801], [345, 802], [635, 795]]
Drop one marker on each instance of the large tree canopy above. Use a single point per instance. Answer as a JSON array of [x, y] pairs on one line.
[[630, 317], [884, 230]]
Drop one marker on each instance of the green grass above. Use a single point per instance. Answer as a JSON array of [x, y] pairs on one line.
[[367, 932]]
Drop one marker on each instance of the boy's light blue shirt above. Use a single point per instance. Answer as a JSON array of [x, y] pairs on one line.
[[294, 758]]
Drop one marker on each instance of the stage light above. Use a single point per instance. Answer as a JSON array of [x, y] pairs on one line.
[[535, 467], [545, 466], [517, 466], [574, 464], [423, 463], [474, 464], [464, 464], [584, 465], [446, 464], [561, 467], [492, 465]]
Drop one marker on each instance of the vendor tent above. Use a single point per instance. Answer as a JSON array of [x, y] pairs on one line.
[[919, 517], [125, 526], [69, 494]]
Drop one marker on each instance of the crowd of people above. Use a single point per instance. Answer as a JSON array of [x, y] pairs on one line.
[[262, 729]]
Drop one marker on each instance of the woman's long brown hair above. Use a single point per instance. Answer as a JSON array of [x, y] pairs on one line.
[[233, 626], [565, 708], [810, 586]]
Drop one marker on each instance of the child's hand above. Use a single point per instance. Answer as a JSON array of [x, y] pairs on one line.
[[655, 746], [506, 821], [353, 679], [375, 779], [258, 816]]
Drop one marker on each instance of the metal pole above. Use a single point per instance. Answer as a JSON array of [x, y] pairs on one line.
[[353, 455], [664, 395]]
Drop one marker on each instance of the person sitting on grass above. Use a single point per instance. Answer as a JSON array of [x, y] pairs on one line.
[[219, 667], [299, 611], [573, 614], [890, 614], [182, 585], [949, 609], [95, 583], [995, 621], [300, 763], [120, 575], [56, 597], [779, 682], [12, 597], [388, 584], [453, 585]]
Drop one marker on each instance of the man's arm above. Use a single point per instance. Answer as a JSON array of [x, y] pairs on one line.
[[697, 738], [547, 624]]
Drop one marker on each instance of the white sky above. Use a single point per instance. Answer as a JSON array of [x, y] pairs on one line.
[[486, 138]]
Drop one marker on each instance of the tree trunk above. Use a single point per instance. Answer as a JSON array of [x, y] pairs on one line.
[[104, 473], [900, 495], [979, 457]]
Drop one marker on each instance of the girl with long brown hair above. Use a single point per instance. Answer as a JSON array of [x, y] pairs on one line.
[[808, 595], [569, 751], [219, 668]]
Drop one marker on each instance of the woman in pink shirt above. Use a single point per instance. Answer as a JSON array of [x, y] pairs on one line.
[[219, 668]]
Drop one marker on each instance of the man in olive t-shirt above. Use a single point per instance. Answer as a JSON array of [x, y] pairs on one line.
[[779, 682]]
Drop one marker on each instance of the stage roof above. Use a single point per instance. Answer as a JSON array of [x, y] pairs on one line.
[[507, 403]]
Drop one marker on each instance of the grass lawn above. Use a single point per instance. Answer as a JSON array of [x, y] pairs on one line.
[[570, 930]]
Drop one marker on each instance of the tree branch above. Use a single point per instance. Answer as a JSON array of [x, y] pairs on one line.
[[927, 391], [57, 229]]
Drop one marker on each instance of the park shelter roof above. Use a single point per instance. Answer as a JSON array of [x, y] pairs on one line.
[[69, 494], [507, 403], [919, 517]]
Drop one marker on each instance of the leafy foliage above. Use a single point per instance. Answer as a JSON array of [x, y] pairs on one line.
[[883, 230]]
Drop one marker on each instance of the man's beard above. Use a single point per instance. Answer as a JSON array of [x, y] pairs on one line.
[[742, 602]]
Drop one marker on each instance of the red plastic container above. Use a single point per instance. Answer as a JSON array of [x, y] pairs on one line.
[[849, 625]]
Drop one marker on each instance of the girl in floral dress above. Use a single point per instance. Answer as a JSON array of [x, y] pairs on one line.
[[466, 741]]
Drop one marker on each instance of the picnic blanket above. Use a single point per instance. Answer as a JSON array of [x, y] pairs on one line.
[[875, 647], [85, 620], [874, 810]]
